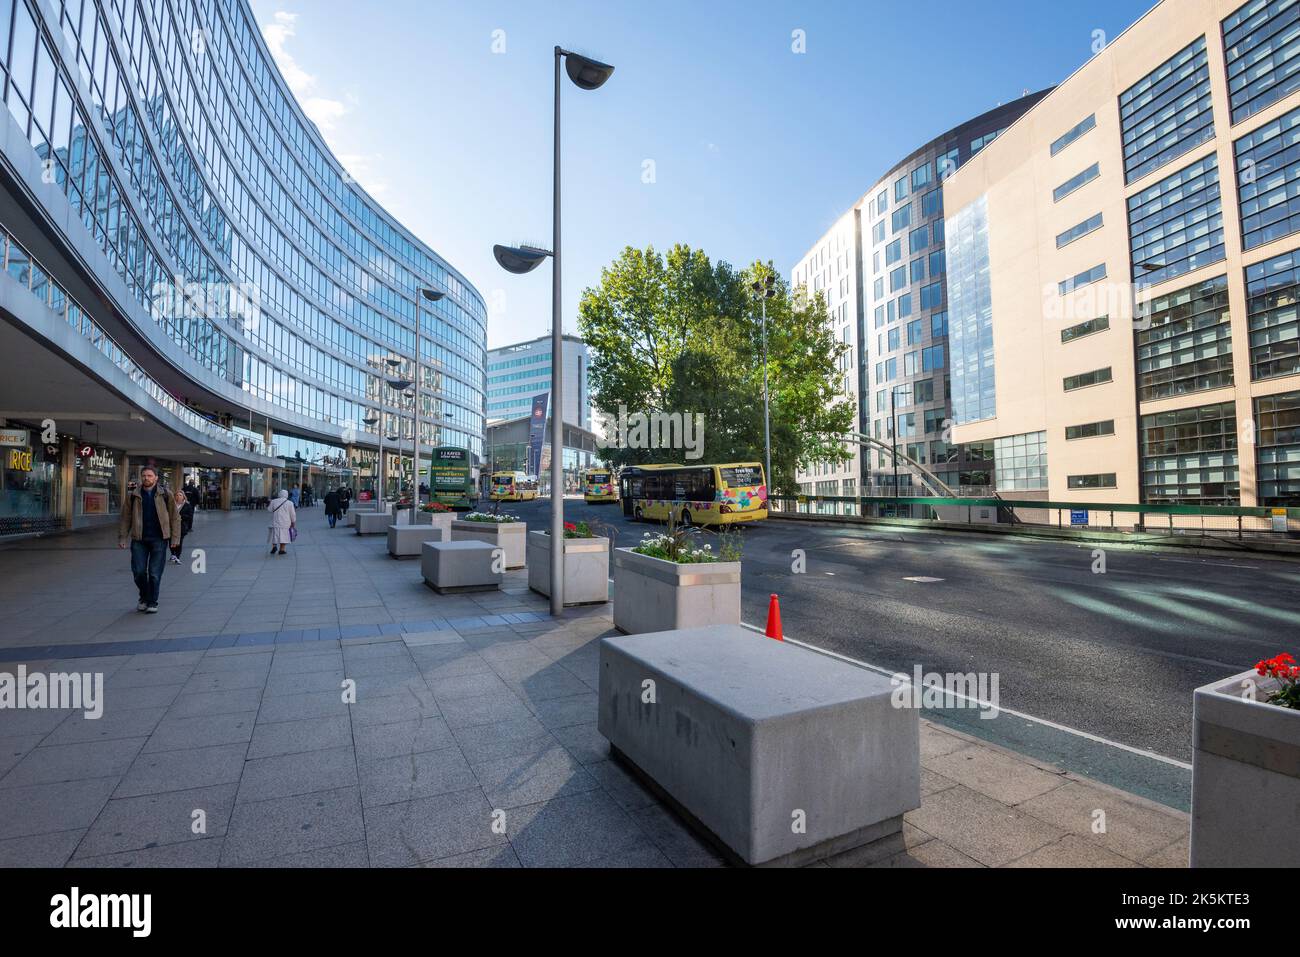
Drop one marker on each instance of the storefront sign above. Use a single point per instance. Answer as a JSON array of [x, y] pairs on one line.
[[86, 451], [19, 460], [11, 437]]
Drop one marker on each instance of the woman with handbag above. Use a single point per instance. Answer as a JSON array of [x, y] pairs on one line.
[[284, 521]]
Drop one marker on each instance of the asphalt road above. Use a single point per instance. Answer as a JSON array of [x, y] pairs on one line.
[[1115, 655]]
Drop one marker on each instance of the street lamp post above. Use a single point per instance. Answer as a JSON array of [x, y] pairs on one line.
[[431, 295], [371, 421], [765, 290], [586, 74]]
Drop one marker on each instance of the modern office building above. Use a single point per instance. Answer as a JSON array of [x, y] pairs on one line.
[[518, 373], [1124, 266], [882, 268], [190, 277]]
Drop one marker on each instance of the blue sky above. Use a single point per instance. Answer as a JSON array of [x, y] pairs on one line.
[[756, 149]]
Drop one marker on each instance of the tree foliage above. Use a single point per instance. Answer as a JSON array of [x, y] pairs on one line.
[[678, 333]]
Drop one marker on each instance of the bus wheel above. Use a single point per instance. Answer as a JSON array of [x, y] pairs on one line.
[[637, 514]]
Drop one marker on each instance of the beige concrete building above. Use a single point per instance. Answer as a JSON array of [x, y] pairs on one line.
[[1123, 267]]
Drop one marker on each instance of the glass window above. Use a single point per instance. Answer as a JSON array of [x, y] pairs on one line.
[[1176, 225], [1277, 449], [1095, 274], [1085, 379], [1268, 180], [1085, 328], [1096, 480], [1073, 134], [1167, 112], [1272, 290], [918, 239], [971, 316], [1090, 430], [1076, 181], [1189, 456], [1261, 48], [1091, 224], [1187, 343], [1020, 462]]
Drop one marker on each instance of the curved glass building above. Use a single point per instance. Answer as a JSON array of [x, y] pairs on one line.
[[882, 269], [185, 255]]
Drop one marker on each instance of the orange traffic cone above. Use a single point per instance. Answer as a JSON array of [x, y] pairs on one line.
[[774, 619]]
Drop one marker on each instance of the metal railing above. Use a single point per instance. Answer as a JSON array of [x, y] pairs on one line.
[[41, 284], [1137, 518]]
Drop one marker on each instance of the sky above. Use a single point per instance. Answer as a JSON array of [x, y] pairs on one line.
[[716, 130]]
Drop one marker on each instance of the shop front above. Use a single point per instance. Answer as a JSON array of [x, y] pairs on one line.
[[31, 484]]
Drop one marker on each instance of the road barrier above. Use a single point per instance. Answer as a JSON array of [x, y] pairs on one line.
[[1090, 519]]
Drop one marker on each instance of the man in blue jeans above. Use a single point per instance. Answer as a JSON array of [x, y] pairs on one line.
[[153, 521]]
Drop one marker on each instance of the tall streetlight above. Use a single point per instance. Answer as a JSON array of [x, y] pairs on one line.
[[763, 290], [397, 384], [429, 295], [586, 74], [371, 421]]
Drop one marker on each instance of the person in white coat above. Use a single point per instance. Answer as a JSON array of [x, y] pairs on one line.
[[283, 518]]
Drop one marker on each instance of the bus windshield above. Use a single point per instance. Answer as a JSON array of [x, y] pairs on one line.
[[503, 480]]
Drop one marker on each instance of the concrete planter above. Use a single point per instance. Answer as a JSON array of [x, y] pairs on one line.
[[373, 523], [451, 567], [1245, 776], [406, 541], [586, 568], [651, 594], [510, 537]]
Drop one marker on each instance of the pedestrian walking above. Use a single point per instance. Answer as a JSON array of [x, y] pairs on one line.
[[187, 526], [284, 521], [294, 495], [345, 499], [150, 522], [332, 506]]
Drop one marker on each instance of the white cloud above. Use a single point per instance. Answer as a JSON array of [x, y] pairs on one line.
[[321, 110]]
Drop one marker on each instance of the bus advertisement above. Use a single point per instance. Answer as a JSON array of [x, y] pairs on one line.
[[697, 494], [451, 481], [598, 485]]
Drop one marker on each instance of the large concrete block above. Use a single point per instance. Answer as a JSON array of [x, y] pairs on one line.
[[407, 541], [1245, 776], [461, 566], [651, 594], [510, 537], [782, 754], [586, 568], [373, 523]]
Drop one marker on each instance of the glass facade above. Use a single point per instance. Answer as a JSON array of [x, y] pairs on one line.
[[1189, 456], [1167, 112], [1188, 344], [1277, 449], [1176, 225], [1261, 49], [189, 165], [1271, 290], [1268, 180], [1020, 462], [970, 315]]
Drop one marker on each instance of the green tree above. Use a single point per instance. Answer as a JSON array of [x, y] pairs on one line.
[[679, 333]]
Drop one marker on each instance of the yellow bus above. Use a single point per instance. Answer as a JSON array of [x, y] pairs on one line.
[[512, 487], [699, 494], [598, 485]]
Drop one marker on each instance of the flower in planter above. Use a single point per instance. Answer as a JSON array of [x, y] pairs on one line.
[[491, 517], [1283, 668], [436, 507]]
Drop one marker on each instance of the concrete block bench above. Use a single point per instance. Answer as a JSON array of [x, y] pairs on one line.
[[373, 523], [407, 541], [781, 755], [461, 566]]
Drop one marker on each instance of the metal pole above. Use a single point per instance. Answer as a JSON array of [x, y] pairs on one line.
[[557, 365], [415, 442], [767, 429], [893, 430]]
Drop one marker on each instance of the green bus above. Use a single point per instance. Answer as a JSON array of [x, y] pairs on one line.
[[451, 481]]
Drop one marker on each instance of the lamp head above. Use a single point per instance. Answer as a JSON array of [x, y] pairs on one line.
[[519, 259], [586, 73]]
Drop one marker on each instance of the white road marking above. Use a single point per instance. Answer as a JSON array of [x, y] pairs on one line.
[[923, 579], [1188, 561]]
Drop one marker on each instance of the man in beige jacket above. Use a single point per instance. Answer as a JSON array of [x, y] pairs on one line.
[[153, 521]]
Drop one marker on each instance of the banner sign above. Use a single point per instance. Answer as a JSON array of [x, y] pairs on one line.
[[537, 432]]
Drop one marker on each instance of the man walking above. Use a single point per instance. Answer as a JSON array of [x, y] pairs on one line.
[[153, 520], [332, 506]]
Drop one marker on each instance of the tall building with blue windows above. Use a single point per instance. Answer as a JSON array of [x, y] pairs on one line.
[[1124, 292], [882, 269], [191, 278]]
